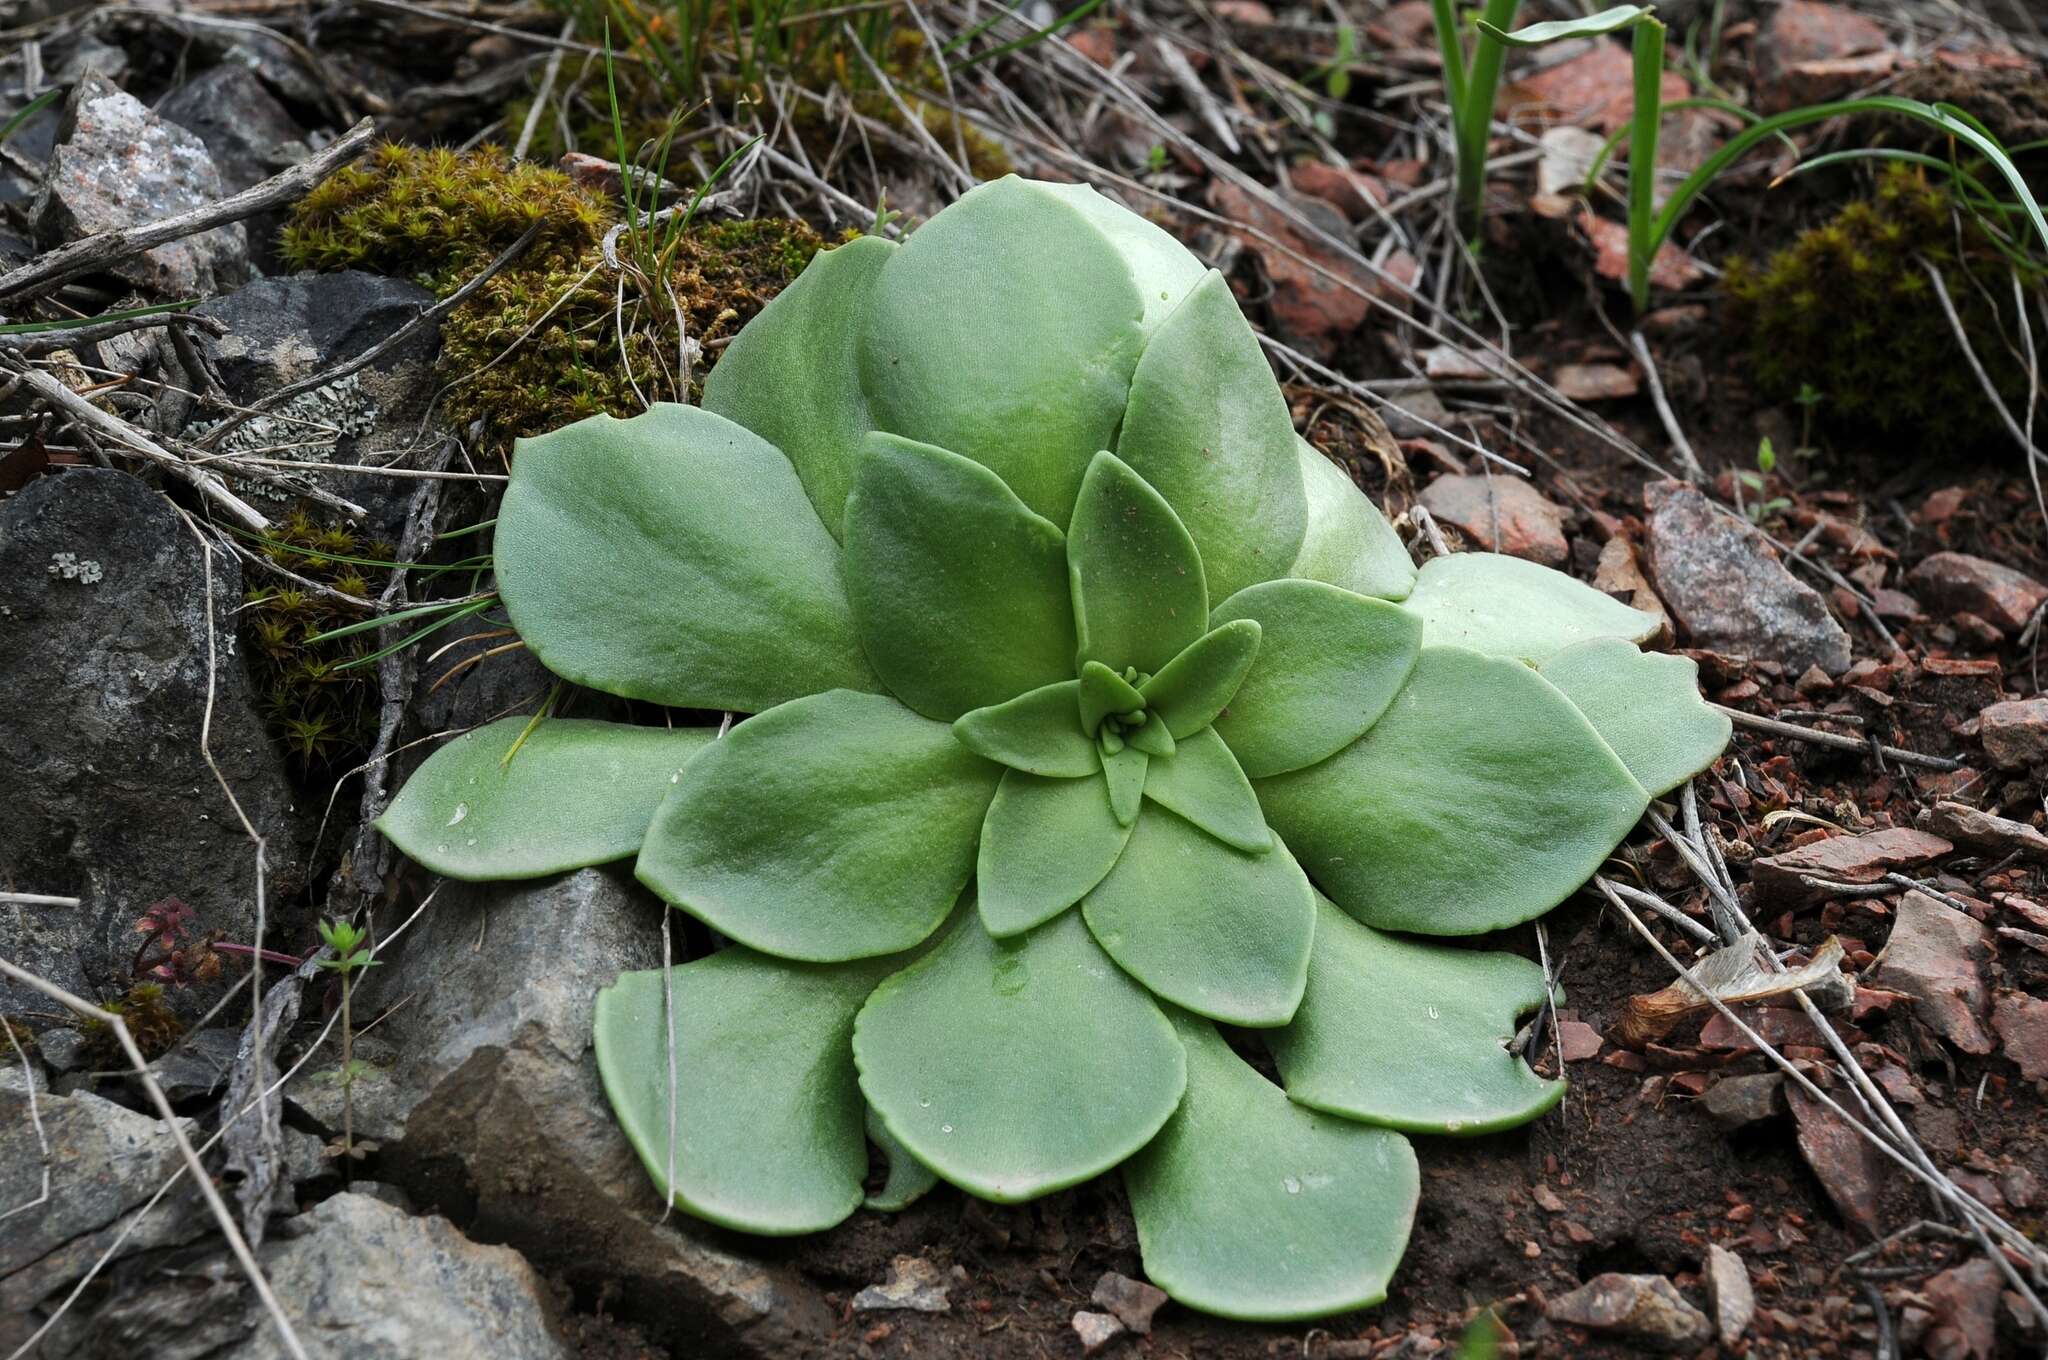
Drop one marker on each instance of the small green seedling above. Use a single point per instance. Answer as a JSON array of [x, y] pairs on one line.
[[1092, 709], [350, 944]]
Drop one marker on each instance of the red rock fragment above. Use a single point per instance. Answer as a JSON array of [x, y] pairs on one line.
[[1577, 1040], [2015, 733], [1595, 89], [1965, 1307], [1843, 859], [1934, 955], [1348, 191], [1850, 1170], [1502, 514], [1671, 269], [1809, 51], [1319, 296], [1595, 382], [1958, 582], [2022, 1022]]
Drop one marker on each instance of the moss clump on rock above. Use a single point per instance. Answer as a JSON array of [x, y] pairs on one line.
[[1846, 310], [539, 345]]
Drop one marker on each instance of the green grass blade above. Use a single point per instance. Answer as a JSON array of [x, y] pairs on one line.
[[416, 612], [1067, 20], [30, 110], [1592, 26], [465, 612], [1647, 46], [72, 323], [1444, 14]]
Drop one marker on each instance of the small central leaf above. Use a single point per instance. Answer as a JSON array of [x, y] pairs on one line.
[[1104, 693], [1194, 686]]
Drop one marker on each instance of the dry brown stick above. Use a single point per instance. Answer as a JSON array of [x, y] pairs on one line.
[[120, 432], [1866, 745], [95, 253]]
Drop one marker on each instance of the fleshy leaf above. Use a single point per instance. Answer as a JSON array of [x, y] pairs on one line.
[[1162, 269], [1347, 541], [1124, 773], [1103, 692], [768, 1113], [1251, 1207], [837, 827], [1017, 1067], [1202, 782], [1479, 800], [1646, 706], [966, 347], [1208, 428], [1193, 688], [909, 1180], [1044, 844], [959, 591], [577, 793], [791, 375], [1139, 593], [1152, 738], [1213, 929], [1411, 1035], [1039, 733], [1329, 663], [1504, 606], [674, 558]]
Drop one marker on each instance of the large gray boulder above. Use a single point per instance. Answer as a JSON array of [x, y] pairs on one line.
[[103, 691]]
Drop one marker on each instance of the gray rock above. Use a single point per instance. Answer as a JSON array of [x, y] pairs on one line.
[[1725, 586], [105, 1161], [198, 1066], [506, 1126], [285, 329], [103, 678], [1966, 825], [914, 1285], [63, 1050], [1133, 1301], [1738, 1102], [249, 135], [361, 1280], [1096, 1330], [1646, 1309], [1729, 1293], [116, 164]]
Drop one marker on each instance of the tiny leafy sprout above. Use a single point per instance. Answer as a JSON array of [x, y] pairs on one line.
[[348, 943], [1766, 460], [1091, 708]]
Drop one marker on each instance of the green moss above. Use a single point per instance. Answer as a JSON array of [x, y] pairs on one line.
[[1848, 311], [150, 1021], [320, 712], [538, 346], [439, 216]]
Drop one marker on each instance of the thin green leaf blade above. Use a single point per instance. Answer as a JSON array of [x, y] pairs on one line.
[[1557, 30]]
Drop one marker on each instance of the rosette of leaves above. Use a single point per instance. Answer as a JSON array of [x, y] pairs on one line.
[[1102, 734]]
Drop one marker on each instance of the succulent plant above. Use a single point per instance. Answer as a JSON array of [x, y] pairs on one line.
[[1093, 710]]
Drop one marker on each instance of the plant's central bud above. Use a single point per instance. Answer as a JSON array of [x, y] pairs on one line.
[[1114, 711]]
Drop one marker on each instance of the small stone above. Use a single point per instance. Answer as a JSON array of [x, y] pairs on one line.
[[1647, 1309], [1671, 269], [1850, 1170], [1501, 514], [1738, 1102], [1319, 297], [1349, 191], [1728, 1292], [1619, 573], [2022, 1022], [1802, 45], [1729, 592], [1133, 1301], [1578, 1041], [1595, 382], [116, 164], [2015, 733], [1982, 830], [1096, 1330], [63, 1050], [914, 1284], [1954, 581], [1843, 859], [1934, 956], [1965, 1306], [1594, 90], [1547, 1199]]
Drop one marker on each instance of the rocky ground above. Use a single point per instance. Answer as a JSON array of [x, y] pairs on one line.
[[181, 802]]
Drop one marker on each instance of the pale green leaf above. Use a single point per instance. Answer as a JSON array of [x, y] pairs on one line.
[[1044, 844], [1221, 932], [1139, 593], [959, 592], [1329, 663], [791, 376], [1017, 1067], [1251, 1207], [1347, 541], [1504, 606], [908, 1181], [837, 827], [966, 347], [1152, 738], [577, 793], [1038, 733], [767, 1110], [1646, 706], [1202, 782], [1123, 773], [1161, 268], [1103, 692], [1208, 428], [1411, 1035], [1479, 800], [1556, 30], [674, 558], [1193, 688]]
